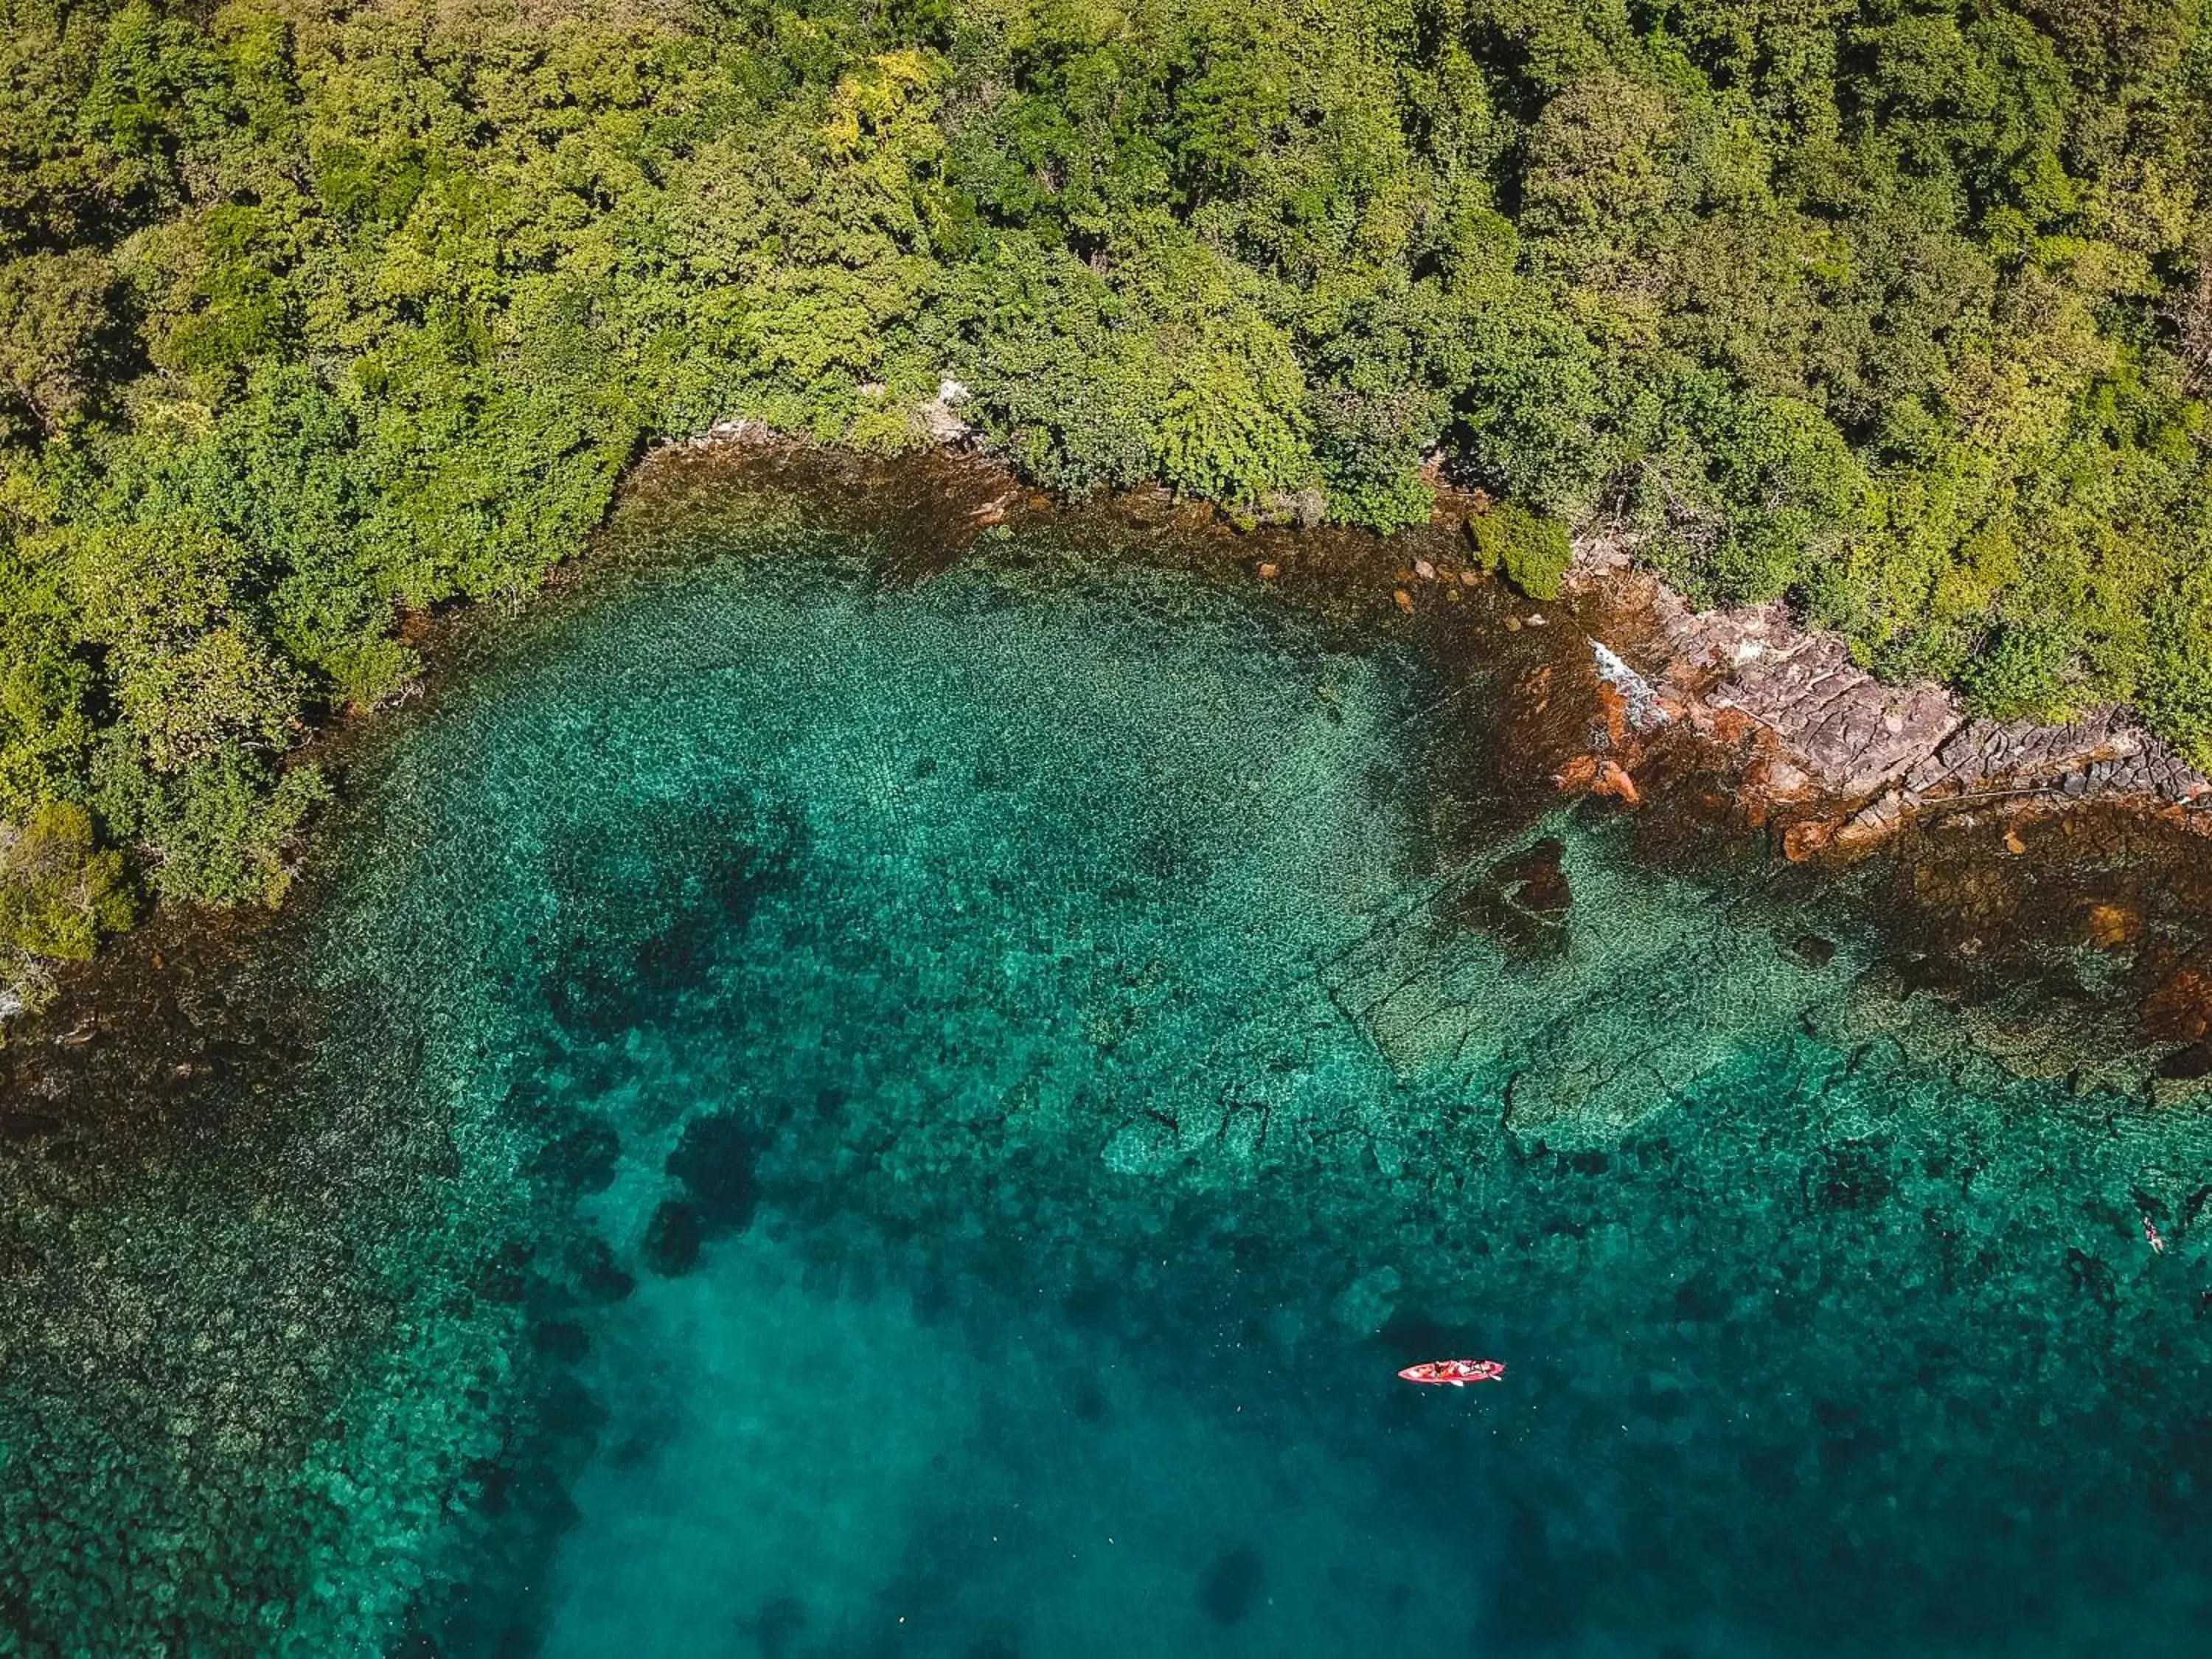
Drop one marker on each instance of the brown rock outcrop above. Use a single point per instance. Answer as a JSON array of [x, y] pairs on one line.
[[1863, 755]]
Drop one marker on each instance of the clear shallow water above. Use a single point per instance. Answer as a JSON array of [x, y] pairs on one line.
[[923, 1120]]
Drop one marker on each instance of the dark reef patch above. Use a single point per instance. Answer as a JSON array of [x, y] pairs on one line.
[[581, 1160], [715, 1162], [674, 1239], [1231, 1584]]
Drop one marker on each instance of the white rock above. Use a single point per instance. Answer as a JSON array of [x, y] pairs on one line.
[[1644, 709]]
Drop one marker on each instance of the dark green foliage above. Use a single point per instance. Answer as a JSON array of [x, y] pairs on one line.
[[218, 829], [312, 316], [1532, 549], [2023, 670], [59, 337]]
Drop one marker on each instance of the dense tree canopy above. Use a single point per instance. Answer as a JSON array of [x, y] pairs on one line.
[[313, 313]]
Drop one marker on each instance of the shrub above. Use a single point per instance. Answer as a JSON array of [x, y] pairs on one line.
[[58, 890], [2022, 671], [1531, 548]]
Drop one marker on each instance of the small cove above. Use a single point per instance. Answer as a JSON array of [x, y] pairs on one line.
[[830, 1114]]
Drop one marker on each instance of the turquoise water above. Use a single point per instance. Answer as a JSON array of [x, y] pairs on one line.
[[922, 1119]]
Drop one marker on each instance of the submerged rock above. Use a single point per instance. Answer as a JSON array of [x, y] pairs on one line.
[[1812, 950], [583, 1160], [1231, 1584], [673, 1239], [1365, 1305], [715, 1162], [1534, 879], [1523, 899], [1144, 1147]]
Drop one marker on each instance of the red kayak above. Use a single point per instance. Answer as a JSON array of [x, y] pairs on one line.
[[1457, 1372]]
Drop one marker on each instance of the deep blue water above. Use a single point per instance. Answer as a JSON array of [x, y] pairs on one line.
[[923, 1120]]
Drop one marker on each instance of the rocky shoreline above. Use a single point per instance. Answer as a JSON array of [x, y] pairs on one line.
[[1842, 757], [1837, 759]]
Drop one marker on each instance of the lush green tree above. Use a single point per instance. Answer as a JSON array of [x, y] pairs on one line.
[[59, 326]]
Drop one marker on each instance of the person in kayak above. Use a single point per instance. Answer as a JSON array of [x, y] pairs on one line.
[[1457, 1372]]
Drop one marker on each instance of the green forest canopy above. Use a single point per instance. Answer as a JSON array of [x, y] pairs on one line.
[[311, 314]]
